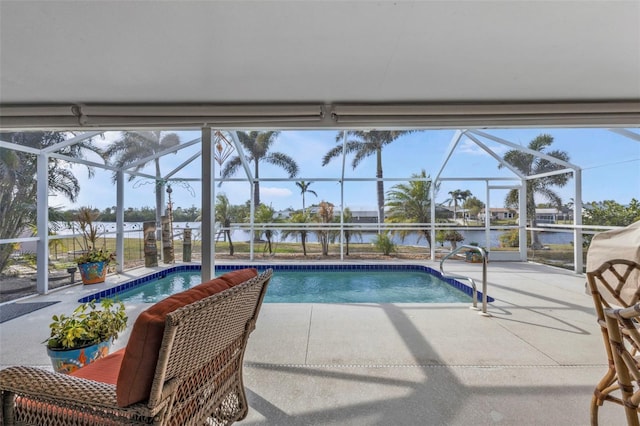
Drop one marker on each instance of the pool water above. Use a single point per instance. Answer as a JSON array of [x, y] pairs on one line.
[[319, 286]]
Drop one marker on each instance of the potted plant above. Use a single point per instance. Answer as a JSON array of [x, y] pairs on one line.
[[86, 335], [474, 256], [93, 263]]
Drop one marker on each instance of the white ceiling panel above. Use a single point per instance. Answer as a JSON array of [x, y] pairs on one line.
[[318, 51]]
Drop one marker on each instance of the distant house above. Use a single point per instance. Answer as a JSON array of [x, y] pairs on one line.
[[547, 215], [543, 215], [498, 214], [364, 216]]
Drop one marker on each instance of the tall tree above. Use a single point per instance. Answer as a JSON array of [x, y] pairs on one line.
[[135, 146], [324, 215], [411, 203], [257, 146], [529, 165], [304, 187], [18, 181], [474, 206], [347, 217], [458, 197], [299, 217], [225, 215], [365, 144], [265, 214]]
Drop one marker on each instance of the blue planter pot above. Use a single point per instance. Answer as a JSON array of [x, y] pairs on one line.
[[93, 272], [69, 360]]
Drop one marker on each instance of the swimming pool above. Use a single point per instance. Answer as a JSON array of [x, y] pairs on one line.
[[311, 284]]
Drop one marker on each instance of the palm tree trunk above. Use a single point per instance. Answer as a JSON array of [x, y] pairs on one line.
[[231, 250], [531, 212], [303, 238]]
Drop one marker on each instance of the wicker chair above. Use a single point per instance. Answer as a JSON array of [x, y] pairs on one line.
[[612, 288], [197, 378]]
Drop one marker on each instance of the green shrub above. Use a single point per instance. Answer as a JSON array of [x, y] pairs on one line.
[[512, 238], [384, 244]]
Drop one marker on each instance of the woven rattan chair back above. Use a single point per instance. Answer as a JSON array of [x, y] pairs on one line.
[[611, 288], [198, 376]]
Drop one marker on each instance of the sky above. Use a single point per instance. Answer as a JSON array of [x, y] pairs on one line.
[[610, 166]]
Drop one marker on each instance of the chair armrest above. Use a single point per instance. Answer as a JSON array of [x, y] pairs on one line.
[[626, 313], [39, 383]]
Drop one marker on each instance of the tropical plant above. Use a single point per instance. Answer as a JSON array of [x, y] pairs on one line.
[[453, 237], [511, 238], [88, 325], [324, 215], [458, 196], [347, 217], [18, 185], [257, 145], [140, 148], [225, 214], [86, 217], [474, 206], [411, 203], [265, 214], [384, 243], [100, 255], [304, 187], [299, 217], [530, 164], [610, 213], [365, 144]]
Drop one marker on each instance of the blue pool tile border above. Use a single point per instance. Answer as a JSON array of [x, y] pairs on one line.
[[114, 291]]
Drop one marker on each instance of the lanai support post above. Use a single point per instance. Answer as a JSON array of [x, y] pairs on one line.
[[208, 209], [344, 157], [120, 221], [522, 222], [577, 222], [42, 221]]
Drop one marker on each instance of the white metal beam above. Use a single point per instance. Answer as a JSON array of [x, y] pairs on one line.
[[60, 145], [452, 146], [524, 149], [489, 151], [627, 133]]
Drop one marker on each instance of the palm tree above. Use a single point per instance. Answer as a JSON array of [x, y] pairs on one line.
[[257, 145], [411, 203], [265, 214], [304, 187], [135, 146], [347, 217], [18, 186], [299, 217], [530, 164], [458, 195], [225, 215], [324, 215], [364, 144]]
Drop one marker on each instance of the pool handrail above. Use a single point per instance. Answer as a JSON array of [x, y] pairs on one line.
[[483, 255]]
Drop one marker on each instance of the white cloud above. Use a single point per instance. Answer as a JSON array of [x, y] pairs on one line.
[[274, 192]]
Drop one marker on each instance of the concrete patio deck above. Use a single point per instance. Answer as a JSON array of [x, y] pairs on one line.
[[534, 362]]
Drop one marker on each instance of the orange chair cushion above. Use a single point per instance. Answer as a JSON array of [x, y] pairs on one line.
[[141, 356], [103, 370]]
